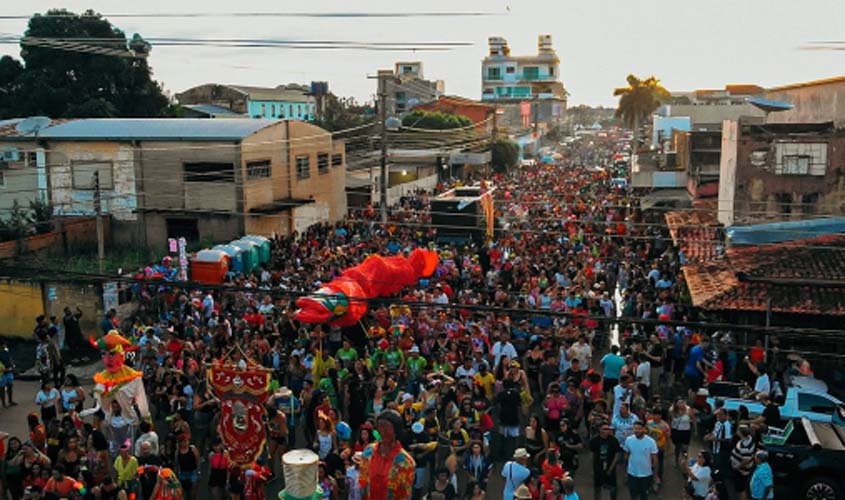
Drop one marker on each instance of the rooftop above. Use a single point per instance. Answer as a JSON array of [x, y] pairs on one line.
[[291, 93], [211, 109], [155, 129], [801, 277], [697, 233], [812, 83]]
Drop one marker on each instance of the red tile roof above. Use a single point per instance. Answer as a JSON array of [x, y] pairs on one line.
[[697, 233], [805, 277]]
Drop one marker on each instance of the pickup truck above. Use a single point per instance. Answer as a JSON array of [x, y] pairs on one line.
[[808, 460], [800, 402]]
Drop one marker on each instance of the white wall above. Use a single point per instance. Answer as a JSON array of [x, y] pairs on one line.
[[727, 171]]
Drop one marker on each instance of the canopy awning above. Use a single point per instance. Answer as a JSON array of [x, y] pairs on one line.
[[679, 198]]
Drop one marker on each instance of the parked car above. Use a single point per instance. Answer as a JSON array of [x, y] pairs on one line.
[[808, 460], [800, 402]]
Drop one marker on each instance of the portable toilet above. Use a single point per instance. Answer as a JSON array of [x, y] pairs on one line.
[[209, 266], [236, 259], [250, 254], [264, 247]]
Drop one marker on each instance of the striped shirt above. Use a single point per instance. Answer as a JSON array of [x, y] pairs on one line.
[[744, 450]]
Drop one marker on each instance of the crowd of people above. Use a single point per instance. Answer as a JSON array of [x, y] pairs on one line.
[[503, 356]]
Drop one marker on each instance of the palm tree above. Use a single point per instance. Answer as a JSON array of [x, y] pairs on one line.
[[638, 100]]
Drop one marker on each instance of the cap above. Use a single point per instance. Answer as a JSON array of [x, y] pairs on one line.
[[407, 397], [414, 349], [417, 427]]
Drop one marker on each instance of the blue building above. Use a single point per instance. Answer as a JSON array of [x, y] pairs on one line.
[[291, 101]]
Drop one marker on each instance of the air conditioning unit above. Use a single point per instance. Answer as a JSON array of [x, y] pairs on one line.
[[11, 154]]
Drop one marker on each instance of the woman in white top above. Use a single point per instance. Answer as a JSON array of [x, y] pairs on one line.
[[700, 475], [682, 418]]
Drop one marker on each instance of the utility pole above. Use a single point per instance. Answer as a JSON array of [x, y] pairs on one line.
[[382, 118], [98, 207]]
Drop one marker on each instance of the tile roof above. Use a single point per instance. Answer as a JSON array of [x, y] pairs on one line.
[[804, 277], [697, 233]]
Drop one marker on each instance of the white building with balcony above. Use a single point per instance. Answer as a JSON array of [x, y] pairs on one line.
[[528, 88]]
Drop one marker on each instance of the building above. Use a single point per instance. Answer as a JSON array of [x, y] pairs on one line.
[[482, 114], [527, 88], [292, 101], [23, 176], [205, 180], [771, 172], [209, 111], [813, 102], [405, 87]]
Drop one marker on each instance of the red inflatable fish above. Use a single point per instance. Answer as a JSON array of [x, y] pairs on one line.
[[343, 301]]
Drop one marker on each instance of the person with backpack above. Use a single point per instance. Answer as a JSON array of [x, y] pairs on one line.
[[515, 473]]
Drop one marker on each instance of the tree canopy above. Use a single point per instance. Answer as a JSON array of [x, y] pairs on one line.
[[74, 84], [639, 99], [504, 154], [435, 120], [340, 114]]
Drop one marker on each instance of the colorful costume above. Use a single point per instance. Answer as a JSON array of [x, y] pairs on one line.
[[343, 301], [118, 382], [386, 478]]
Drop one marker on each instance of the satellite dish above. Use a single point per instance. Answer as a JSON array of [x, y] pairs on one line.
[[32, 125]]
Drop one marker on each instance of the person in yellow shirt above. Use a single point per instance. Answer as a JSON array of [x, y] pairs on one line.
[[126, 468], [486, 380]]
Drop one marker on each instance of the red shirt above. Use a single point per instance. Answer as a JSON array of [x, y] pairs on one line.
[[756, 355]]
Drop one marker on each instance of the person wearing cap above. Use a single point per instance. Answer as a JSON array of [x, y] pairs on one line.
[[516, 472], [423, 449], [126, 469], [415, 366], [387, 470], [762, 481]]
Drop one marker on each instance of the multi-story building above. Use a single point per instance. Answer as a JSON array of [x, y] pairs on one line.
[[23, 176], [211, 180], [292, 101], [780, 172], [527, 88], [405, 87]]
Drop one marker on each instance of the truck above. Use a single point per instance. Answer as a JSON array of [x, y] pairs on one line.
[[464, 214], [799, 402], [808, 460]]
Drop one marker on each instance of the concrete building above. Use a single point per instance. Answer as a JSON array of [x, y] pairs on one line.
[[405, 87], [202, 179], [292, 101], [23, 176], [813, 102], [527, 88], [780, 172]]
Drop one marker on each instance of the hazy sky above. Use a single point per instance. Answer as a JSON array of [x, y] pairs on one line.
[[686, 44]]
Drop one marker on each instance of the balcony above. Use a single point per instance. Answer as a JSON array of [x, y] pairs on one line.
[[493, 78]]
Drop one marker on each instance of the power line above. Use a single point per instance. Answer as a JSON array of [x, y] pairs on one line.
[[317, 15]]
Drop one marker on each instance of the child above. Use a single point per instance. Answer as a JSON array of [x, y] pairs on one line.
[[569, 489]]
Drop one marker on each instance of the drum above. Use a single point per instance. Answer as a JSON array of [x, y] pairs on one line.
[[301, 474]]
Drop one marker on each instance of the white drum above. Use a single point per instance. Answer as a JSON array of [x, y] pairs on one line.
[[301, 468]]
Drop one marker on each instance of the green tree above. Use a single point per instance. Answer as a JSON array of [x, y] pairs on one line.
[[435, 120], [638, 100], [341, 114], [504, 154], [75, 84]]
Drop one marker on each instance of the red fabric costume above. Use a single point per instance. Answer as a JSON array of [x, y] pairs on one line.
[[343, 301]]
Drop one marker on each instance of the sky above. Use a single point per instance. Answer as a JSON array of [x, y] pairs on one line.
[[686, 44]]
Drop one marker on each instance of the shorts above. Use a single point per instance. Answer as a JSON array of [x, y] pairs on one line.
[[510, 431], [693, 382], [740, 481], [7, 379], [601, 479], [189, 477], [680, 437]]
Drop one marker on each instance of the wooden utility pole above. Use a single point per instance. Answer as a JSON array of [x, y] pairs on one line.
[[98, 207]]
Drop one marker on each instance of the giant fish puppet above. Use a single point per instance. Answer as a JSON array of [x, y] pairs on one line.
[[343, 301], [118, 382]]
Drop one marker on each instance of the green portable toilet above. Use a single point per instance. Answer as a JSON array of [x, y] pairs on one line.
[[250, 255], [263, 247]]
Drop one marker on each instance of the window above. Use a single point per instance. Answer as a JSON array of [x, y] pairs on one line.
[[400, 96], [209, 172], [83, 174], [31, 159], [407, 69], [800, 158], [2, 179], [808, 203], [551, 71], [183, 228], [531, 72], [337, 160], [510, 70], [303, 167], [815, 403], [323, 163], [494, 73], [263, 110], [282, 110], [272, 110], [785, 202], [258, 169], [299, 110]]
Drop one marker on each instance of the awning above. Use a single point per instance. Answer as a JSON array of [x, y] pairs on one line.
[[678, 198], [769, 105]]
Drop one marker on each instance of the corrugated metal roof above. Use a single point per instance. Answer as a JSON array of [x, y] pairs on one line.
[[156, 129], [777, 232], [212, 109]]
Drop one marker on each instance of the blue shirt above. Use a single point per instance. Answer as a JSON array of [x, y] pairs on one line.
[[612, 365], [696, 354], [514, 474], [761, 479]]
